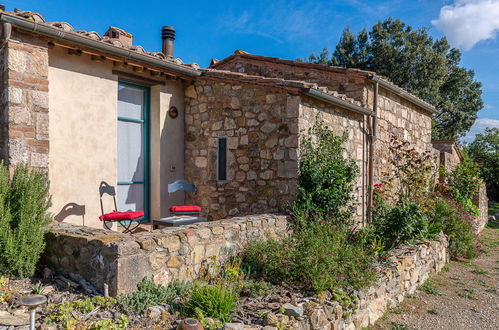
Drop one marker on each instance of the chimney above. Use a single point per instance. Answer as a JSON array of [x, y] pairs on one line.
[[168, 37]]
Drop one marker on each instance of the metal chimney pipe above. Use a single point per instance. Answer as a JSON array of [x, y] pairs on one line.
[[168, 37]]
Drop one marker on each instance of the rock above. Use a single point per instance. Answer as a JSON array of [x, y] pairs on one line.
[[267, 327], [13, 320], [283, 319], [47, 273], [155, 312], [270, 319], [233, 326], [291, 310], [48, 289]]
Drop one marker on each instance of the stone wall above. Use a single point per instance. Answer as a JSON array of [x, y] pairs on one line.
[[341, 122], [482, 202], [412, 267], [450, 156], [344, 81], [261, 125], [121, 260], [25, 123], [396, 116]]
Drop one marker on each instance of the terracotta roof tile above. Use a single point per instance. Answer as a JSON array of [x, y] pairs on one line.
[[66, 27]]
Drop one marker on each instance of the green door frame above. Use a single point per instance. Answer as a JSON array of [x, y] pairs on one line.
[[146, 146]]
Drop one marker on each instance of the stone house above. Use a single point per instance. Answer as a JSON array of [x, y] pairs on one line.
[[88, 108]]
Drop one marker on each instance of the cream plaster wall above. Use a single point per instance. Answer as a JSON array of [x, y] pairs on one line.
[[83, 138], [82, 117], [167, 146]]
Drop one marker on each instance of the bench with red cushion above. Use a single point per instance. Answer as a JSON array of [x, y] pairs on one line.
[[185, 209], [120, 216]]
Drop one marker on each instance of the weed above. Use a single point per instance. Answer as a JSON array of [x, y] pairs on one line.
[[429, 287], [446, 268], [494, 291], [212, 300], [479, 271], [473, 309], [38, 288], [410, 296], [256, 288], [468, 294], [398, 326], [150, 294]]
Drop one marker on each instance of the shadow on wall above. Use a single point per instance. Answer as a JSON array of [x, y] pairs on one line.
[[71, 209]]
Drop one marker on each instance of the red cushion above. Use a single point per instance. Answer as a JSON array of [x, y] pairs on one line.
[[185, 208], [118, 216]]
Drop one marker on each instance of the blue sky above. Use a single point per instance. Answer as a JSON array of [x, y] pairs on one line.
[[289, 29]]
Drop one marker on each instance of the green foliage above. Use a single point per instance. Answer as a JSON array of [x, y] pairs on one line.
[[404, 223], [256, 288], [72, 311], [411, 173], [485, 151], [24, 201], [429, 288], [149, 294], [464, 181], [320, 257], [412, 59], [455, 221], [326, 177], [212, 300]]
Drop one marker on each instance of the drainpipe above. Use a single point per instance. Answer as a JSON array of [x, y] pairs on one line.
[[5, 32], [372, 142]]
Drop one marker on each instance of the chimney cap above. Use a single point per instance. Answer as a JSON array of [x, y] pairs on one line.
[[168, 32]]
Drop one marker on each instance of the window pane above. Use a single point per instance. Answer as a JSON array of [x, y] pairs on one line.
[[131, 197], [130, 102], [130, 151], [222, 159]]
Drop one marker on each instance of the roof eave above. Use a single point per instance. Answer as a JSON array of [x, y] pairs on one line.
[[325, 97], [55, 33], [404, 94]]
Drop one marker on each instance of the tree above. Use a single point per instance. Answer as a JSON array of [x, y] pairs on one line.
[[485, 151], [426, 67]]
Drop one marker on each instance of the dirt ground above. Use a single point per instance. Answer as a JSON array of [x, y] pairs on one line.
[[465, 295]]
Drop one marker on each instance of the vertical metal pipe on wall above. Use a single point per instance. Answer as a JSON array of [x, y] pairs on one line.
[[372, 150]]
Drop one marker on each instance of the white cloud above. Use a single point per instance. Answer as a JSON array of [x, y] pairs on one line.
[[467, 22], [479, 127]]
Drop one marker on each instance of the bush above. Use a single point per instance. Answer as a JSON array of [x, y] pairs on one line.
[[24, 201], [321, 257], [212, 300], [256, 288], [456, 221], [404, 223], [149, 294], [464, 181], [326, 178]]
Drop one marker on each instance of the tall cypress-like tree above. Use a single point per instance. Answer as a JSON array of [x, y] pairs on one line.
[[412, 59]]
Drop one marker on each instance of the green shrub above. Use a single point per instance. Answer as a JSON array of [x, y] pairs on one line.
[[256, 288], [321, 257], [326, 179], [212, 300], [464, 181], [149, 294], [404, 223], [456, 221], [24, 201]]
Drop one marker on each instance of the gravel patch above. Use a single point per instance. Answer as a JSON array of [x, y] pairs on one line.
[[465, 295]]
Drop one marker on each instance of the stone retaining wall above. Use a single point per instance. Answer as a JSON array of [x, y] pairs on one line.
[[121, 260], [413, 266]]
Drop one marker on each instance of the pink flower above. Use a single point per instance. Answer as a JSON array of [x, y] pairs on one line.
[[341, 276]]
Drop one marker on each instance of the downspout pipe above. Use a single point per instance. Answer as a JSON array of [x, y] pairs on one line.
[[95, 44], [372, 149]]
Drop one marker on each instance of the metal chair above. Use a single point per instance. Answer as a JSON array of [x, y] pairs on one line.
[[125, 219], [183, 209]]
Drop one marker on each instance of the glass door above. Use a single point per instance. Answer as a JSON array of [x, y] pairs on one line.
[[133, 155]]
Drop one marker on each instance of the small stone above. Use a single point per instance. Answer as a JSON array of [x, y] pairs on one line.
[[47, 273], [13, 320], [291, 310], [155, 312], [233, 326], [270, 319]]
